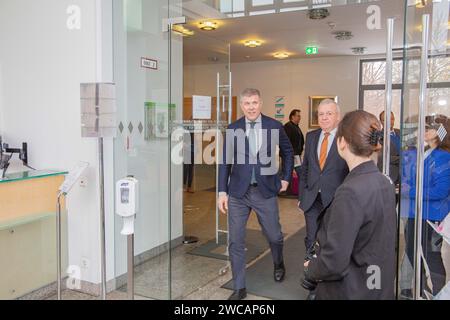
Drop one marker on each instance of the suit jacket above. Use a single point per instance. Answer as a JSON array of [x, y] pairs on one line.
[[296, 137], [394, 166], [235, 177], [357, 238], [313, 179]]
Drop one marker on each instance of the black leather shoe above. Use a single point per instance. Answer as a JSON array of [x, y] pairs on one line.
[[311, 295], [279, 272], [238, 294]]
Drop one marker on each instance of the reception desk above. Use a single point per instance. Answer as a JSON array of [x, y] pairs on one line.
[[28, 231]]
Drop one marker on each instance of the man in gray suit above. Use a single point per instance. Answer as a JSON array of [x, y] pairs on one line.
[[322, 172]]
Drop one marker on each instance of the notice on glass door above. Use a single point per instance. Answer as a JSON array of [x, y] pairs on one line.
[[201, 107]]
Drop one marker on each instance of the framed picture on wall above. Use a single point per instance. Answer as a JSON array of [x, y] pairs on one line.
[[314, 102]]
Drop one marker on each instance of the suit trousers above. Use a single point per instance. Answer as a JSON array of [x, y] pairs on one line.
[[268, 218], [311, 217]]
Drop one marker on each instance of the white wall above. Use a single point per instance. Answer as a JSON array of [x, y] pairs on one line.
[[42, 64], [295, 79]]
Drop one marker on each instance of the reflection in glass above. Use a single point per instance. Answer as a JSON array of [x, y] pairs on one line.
[[436, 200]]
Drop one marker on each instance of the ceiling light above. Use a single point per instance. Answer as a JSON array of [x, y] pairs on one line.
[[208, 25], [252, 43], [343, 35], [421, 3], [442, 102], [318, 14], [281, 55], [182, 30], [359, 50]]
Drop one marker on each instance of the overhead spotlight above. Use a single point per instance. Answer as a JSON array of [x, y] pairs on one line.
[[343, 35], [332, 25], [177, 28], [208, 25], [281, 55], [359, 50], [318, 14], [253, 43]]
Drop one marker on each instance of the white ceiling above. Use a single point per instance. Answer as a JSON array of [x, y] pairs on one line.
[[293, 32]]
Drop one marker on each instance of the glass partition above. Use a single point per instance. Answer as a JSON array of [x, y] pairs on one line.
[[425, 159], [142, 147]]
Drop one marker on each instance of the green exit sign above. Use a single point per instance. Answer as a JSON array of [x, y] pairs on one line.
[[312, 50]]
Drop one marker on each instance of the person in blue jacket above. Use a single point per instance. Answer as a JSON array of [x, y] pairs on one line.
[[436, 196]]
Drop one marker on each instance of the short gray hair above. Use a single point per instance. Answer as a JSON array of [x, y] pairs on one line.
[[329, 101], [248, 92]]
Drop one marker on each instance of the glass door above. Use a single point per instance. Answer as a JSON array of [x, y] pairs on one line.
[[142, 147], [207, 108], [425, 157]]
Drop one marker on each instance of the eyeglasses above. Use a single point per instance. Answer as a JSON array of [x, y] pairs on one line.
[[329, 114]]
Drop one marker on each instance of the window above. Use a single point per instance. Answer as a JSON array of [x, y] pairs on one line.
[[373, 78]]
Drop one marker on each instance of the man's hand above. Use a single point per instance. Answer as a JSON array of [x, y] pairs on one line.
[[306, 264], [223, 203], [284, 185]]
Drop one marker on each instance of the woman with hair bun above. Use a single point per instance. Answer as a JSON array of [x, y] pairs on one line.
[[356, 240]]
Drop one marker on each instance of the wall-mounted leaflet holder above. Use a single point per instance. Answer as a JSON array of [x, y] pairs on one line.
[[98, 120], [64, 189], [6, 154]]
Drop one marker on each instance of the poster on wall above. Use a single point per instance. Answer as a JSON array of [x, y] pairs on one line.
[[201, 107], [279, 108], [157, 119]]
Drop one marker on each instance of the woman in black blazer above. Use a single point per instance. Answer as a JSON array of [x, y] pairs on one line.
[[356, 256]]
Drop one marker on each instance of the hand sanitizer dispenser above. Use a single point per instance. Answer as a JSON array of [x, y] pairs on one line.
[[127, 202]]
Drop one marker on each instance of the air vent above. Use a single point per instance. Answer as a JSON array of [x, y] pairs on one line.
[[343, 35], [359, 50], [318, 14]]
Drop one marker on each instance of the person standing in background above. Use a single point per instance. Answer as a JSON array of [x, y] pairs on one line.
[[296, 137], [395, 133]]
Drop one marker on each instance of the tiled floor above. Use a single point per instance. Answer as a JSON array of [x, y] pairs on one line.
[[194, 277]]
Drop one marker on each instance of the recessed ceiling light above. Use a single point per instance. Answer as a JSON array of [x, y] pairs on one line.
[[208, 25], [343, 35], [252, 43], [281, 55], [318, 14]]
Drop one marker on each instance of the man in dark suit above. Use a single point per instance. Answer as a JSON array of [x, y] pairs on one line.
[[248, 180], [323, 170], [296, 137]]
